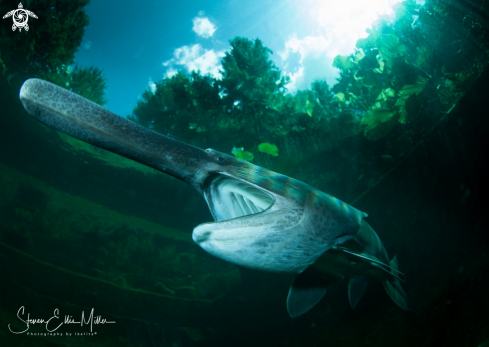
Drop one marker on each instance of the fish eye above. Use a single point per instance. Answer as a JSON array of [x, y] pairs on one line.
[[220, 159]]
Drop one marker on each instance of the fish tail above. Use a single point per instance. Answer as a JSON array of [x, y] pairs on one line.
[[393, 287], [374, 251]]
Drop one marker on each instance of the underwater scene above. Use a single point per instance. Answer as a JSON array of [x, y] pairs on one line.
[[244, 173]]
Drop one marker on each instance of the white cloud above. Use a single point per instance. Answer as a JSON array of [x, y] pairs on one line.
[[308, 45], [314, 63], [203, 27], [195, 58], [151, 85], [294, 79], [171, 72]]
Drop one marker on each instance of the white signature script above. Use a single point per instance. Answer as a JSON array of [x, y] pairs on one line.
[[54, 322]]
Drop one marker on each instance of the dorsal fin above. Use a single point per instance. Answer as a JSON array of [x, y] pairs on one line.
[[370, 243]]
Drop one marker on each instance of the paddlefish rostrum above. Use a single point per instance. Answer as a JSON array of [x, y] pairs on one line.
[[263, 220]]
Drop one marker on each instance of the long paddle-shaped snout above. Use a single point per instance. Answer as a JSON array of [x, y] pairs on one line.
[[85, 120]]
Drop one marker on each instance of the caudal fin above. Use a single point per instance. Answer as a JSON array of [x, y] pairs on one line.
[[369, 248]]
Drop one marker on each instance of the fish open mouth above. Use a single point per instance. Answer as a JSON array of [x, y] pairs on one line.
[[254, 227], [230, 198]]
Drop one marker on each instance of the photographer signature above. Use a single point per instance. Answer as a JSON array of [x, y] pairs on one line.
[[55, 322]]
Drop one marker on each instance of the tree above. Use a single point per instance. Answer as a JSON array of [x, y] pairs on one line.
[[48, 48], [432, 52], [87, 82], [248, 110]]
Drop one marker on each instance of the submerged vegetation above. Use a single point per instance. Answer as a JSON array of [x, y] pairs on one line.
[[421, 55]]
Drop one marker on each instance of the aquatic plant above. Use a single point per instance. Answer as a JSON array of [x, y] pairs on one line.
[[421, 51], [268, 148], [242, 154]]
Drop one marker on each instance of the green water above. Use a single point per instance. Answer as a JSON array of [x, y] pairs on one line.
[[402, 136]]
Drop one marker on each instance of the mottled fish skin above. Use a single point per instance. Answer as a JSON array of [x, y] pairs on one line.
[[290, 235], [87, 121]]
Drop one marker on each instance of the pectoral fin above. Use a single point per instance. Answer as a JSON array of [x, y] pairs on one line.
[[356, 288], [307, 289]]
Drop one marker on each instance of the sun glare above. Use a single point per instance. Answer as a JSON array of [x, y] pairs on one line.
[[345, 21], [334, 28]]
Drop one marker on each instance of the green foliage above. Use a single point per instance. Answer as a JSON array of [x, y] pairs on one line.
[[249, 76], [268, 148], [410, 55], [242, 154], [48, 48], [51, 42], [250, 85], [342, 62], [378, 123], [385, 82], [183, 106], [248, 106], [87, 82]]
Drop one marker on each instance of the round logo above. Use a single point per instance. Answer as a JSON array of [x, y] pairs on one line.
[[20, 17]]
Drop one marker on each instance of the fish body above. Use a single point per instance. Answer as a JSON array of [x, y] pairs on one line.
[[263, 220]]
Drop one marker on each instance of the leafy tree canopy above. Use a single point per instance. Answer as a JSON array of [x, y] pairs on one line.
[[247, 107], [49, 47], [87, 82], [431, 52], [406, 72]]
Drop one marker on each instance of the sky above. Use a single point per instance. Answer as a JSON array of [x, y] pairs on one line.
[[139, 43]]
